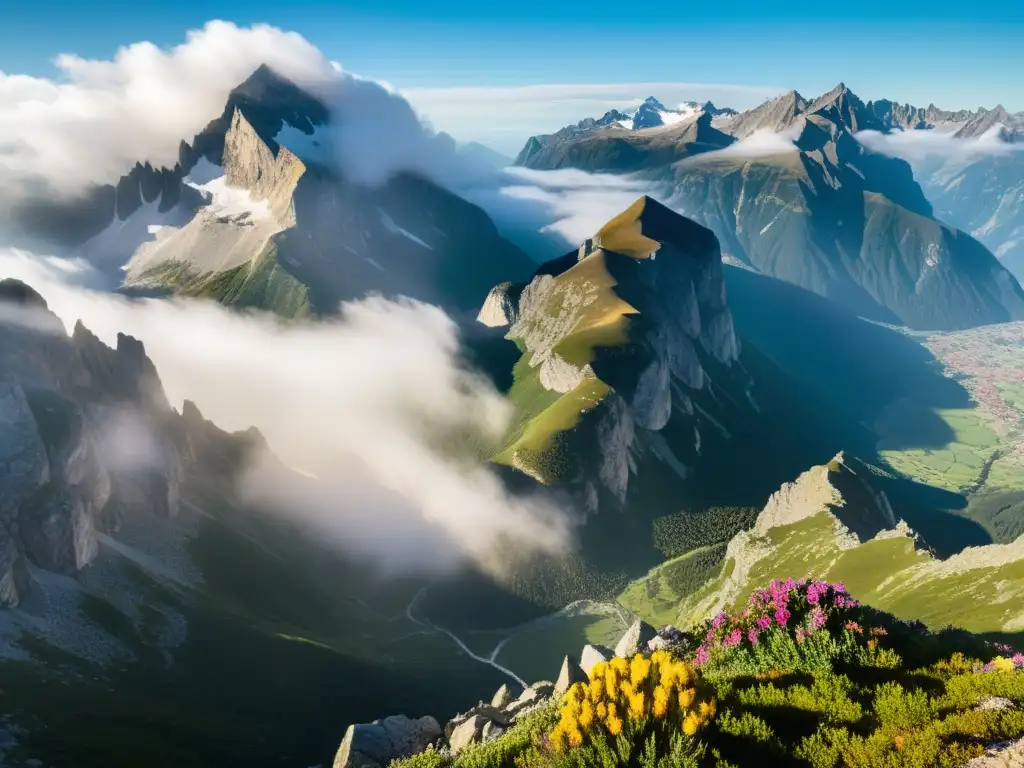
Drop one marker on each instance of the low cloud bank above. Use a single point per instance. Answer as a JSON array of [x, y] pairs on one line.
[[923, 145], [567, 205], [376, 404]]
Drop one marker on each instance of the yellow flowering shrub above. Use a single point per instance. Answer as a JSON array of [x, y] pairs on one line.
[[632, 695]]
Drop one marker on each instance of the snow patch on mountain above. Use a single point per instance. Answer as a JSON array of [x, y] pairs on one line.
[[232, 202], [112, 248]]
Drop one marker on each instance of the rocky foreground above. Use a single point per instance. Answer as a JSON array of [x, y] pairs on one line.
[[376, 744]]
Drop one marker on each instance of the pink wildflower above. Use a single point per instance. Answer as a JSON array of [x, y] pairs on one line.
[[752, 636], [733, 638], [818, 619], [782, 616]]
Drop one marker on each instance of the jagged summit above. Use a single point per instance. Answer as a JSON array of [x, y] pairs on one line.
[[623, 332], [642, 229]]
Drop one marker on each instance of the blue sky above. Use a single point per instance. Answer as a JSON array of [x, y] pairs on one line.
[[945, 52]]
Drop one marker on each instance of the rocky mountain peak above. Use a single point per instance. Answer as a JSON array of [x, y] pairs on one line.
[[268, 171], [643, 228], [652, 282]]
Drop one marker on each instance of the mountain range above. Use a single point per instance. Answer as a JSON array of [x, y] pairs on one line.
[[813, 206], [714, 378]]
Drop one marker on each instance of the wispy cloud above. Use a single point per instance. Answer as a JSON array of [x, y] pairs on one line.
[[918, 146], [376, 403], [506, 116], [102, 116]]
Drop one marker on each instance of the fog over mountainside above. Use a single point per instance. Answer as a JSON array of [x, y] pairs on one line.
[[311, 414]]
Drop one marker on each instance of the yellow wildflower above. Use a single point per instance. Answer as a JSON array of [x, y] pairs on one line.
[[639, 668], [707, 709], [614, 725], [602, 710], [619, 664], [559, 738], [575, 737], [660, 657], [596, 689], [1002, 664], [691, 723], [636, 706], [686, 697], [626, 690], [661, 698], [598, 670], [611, 681], [683, 673], [577, 692], [586, 715]]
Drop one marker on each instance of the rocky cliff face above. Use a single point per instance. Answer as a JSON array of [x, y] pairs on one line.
[[848, 224], [624, 341], [84, 441]]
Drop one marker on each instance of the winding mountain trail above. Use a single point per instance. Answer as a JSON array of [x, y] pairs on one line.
[[488, 660]]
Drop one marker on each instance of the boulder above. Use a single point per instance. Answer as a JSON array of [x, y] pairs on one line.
[[569, 675], [635, 639], [467, 732], [537, 692], [376, 744], [592, 655], [505, 696], [532, 698], [486, 711], [668, 637]]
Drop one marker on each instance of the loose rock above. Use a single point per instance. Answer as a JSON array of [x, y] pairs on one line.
[[635, 639], [592, 655], [570, 674], [468, 732], [374, 745]]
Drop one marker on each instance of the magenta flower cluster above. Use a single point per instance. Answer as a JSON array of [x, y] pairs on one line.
[[797, 606]]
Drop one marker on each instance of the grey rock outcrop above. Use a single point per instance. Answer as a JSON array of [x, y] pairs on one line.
[[467, 732], [569, 675], [376, 744], [505, 695], [24, 466], [64, 473], [667, 637], [635, 639], [592, 655], [1009, 754]]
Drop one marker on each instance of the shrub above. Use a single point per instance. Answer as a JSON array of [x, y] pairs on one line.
[[792, 625], [646, 709]]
